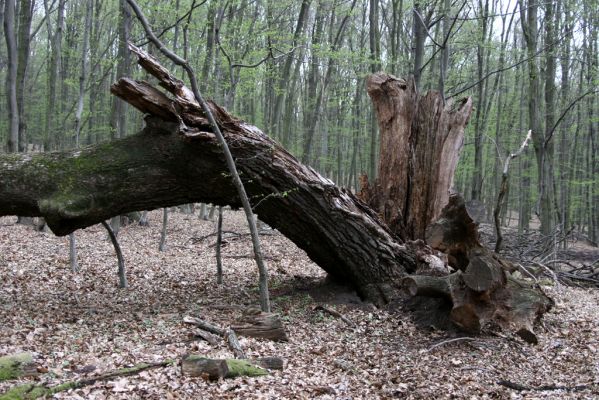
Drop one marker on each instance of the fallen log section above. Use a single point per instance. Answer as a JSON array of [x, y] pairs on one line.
[[176, 159]]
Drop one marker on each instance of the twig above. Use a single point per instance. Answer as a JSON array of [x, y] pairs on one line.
[[443, 343], [520, 387], [334, 314], [550, 272], [527, 272]]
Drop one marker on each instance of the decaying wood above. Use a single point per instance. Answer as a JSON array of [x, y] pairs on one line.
[[207, 336], [421, 138], [227, 334], [481, 291], [208, 327], [32, 391], [213, 369], [14, 366], [257, 324], [335, 314], [276, 363], [234, 344]]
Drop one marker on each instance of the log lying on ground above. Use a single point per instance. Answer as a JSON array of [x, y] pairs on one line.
[[17, 365], [32, 391], [258, 324], [482, 292], [213, 369]]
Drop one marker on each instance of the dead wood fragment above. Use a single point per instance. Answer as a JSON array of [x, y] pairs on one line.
[[276, 363], [335, 314], [234, 344], [207, 336], [520, 387], [257, 324], [204, 325], [444, 342], [227, 334], [213, 369], [482, 292]]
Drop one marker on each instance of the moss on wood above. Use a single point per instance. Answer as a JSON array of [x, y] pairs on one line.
[[15, 366]]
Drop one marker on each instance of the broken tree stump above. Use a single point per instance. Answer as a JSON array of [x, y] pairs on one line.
[[421, 138]]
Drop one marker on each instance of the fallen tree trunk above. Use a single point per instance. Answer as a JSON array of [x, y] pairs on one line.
[[30, 391], [176, 159], [213, 369], [14, 366]]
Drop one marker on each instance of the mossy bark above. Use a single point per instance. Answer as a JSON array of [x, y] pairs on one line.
[[16, 365], [31, 391], [195, 365]]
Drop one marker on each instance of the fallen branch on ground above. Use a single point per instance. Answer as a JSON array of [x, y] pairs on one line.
[[32, 391], [335, 314], [520, 387]]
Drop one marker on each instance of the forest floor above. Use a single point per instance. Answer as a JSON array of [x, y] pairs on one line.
[[81, 324]]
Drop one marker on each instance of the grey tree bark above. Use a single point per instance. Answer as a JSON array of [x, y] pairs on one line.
[[11, 76]]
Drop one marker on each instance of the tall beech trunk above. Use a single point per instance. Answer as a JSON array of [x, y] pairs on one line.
[[421, 137], [176, 159]]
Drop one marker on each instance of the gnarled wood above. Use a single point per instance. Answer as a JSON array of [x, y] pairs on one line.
[[421, 136], [482, 292]]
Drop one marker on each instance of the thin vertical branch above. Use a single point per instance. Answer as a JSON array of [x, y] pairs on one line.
[[119, 255]]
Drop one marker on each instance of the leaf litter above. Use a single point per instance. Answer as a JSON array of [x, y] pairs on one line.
[[80, 325]]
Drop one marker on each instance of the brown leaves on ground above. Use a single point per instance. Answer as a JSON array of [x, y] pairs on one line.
[[81, 324]]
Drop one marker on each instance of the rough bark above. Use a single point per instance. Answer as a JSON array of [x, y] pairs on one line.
[[481, 292], [421, 137], [260, 325]]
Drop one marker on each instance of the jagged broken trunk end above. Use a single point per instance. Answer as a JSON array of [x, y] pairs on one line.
[[421, 138]]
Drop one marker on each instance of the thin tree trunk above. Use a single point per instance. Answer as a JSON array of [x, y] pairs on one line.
[[11, 76], [119, 254], [219, 240], [24, 40], [83, 74]]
